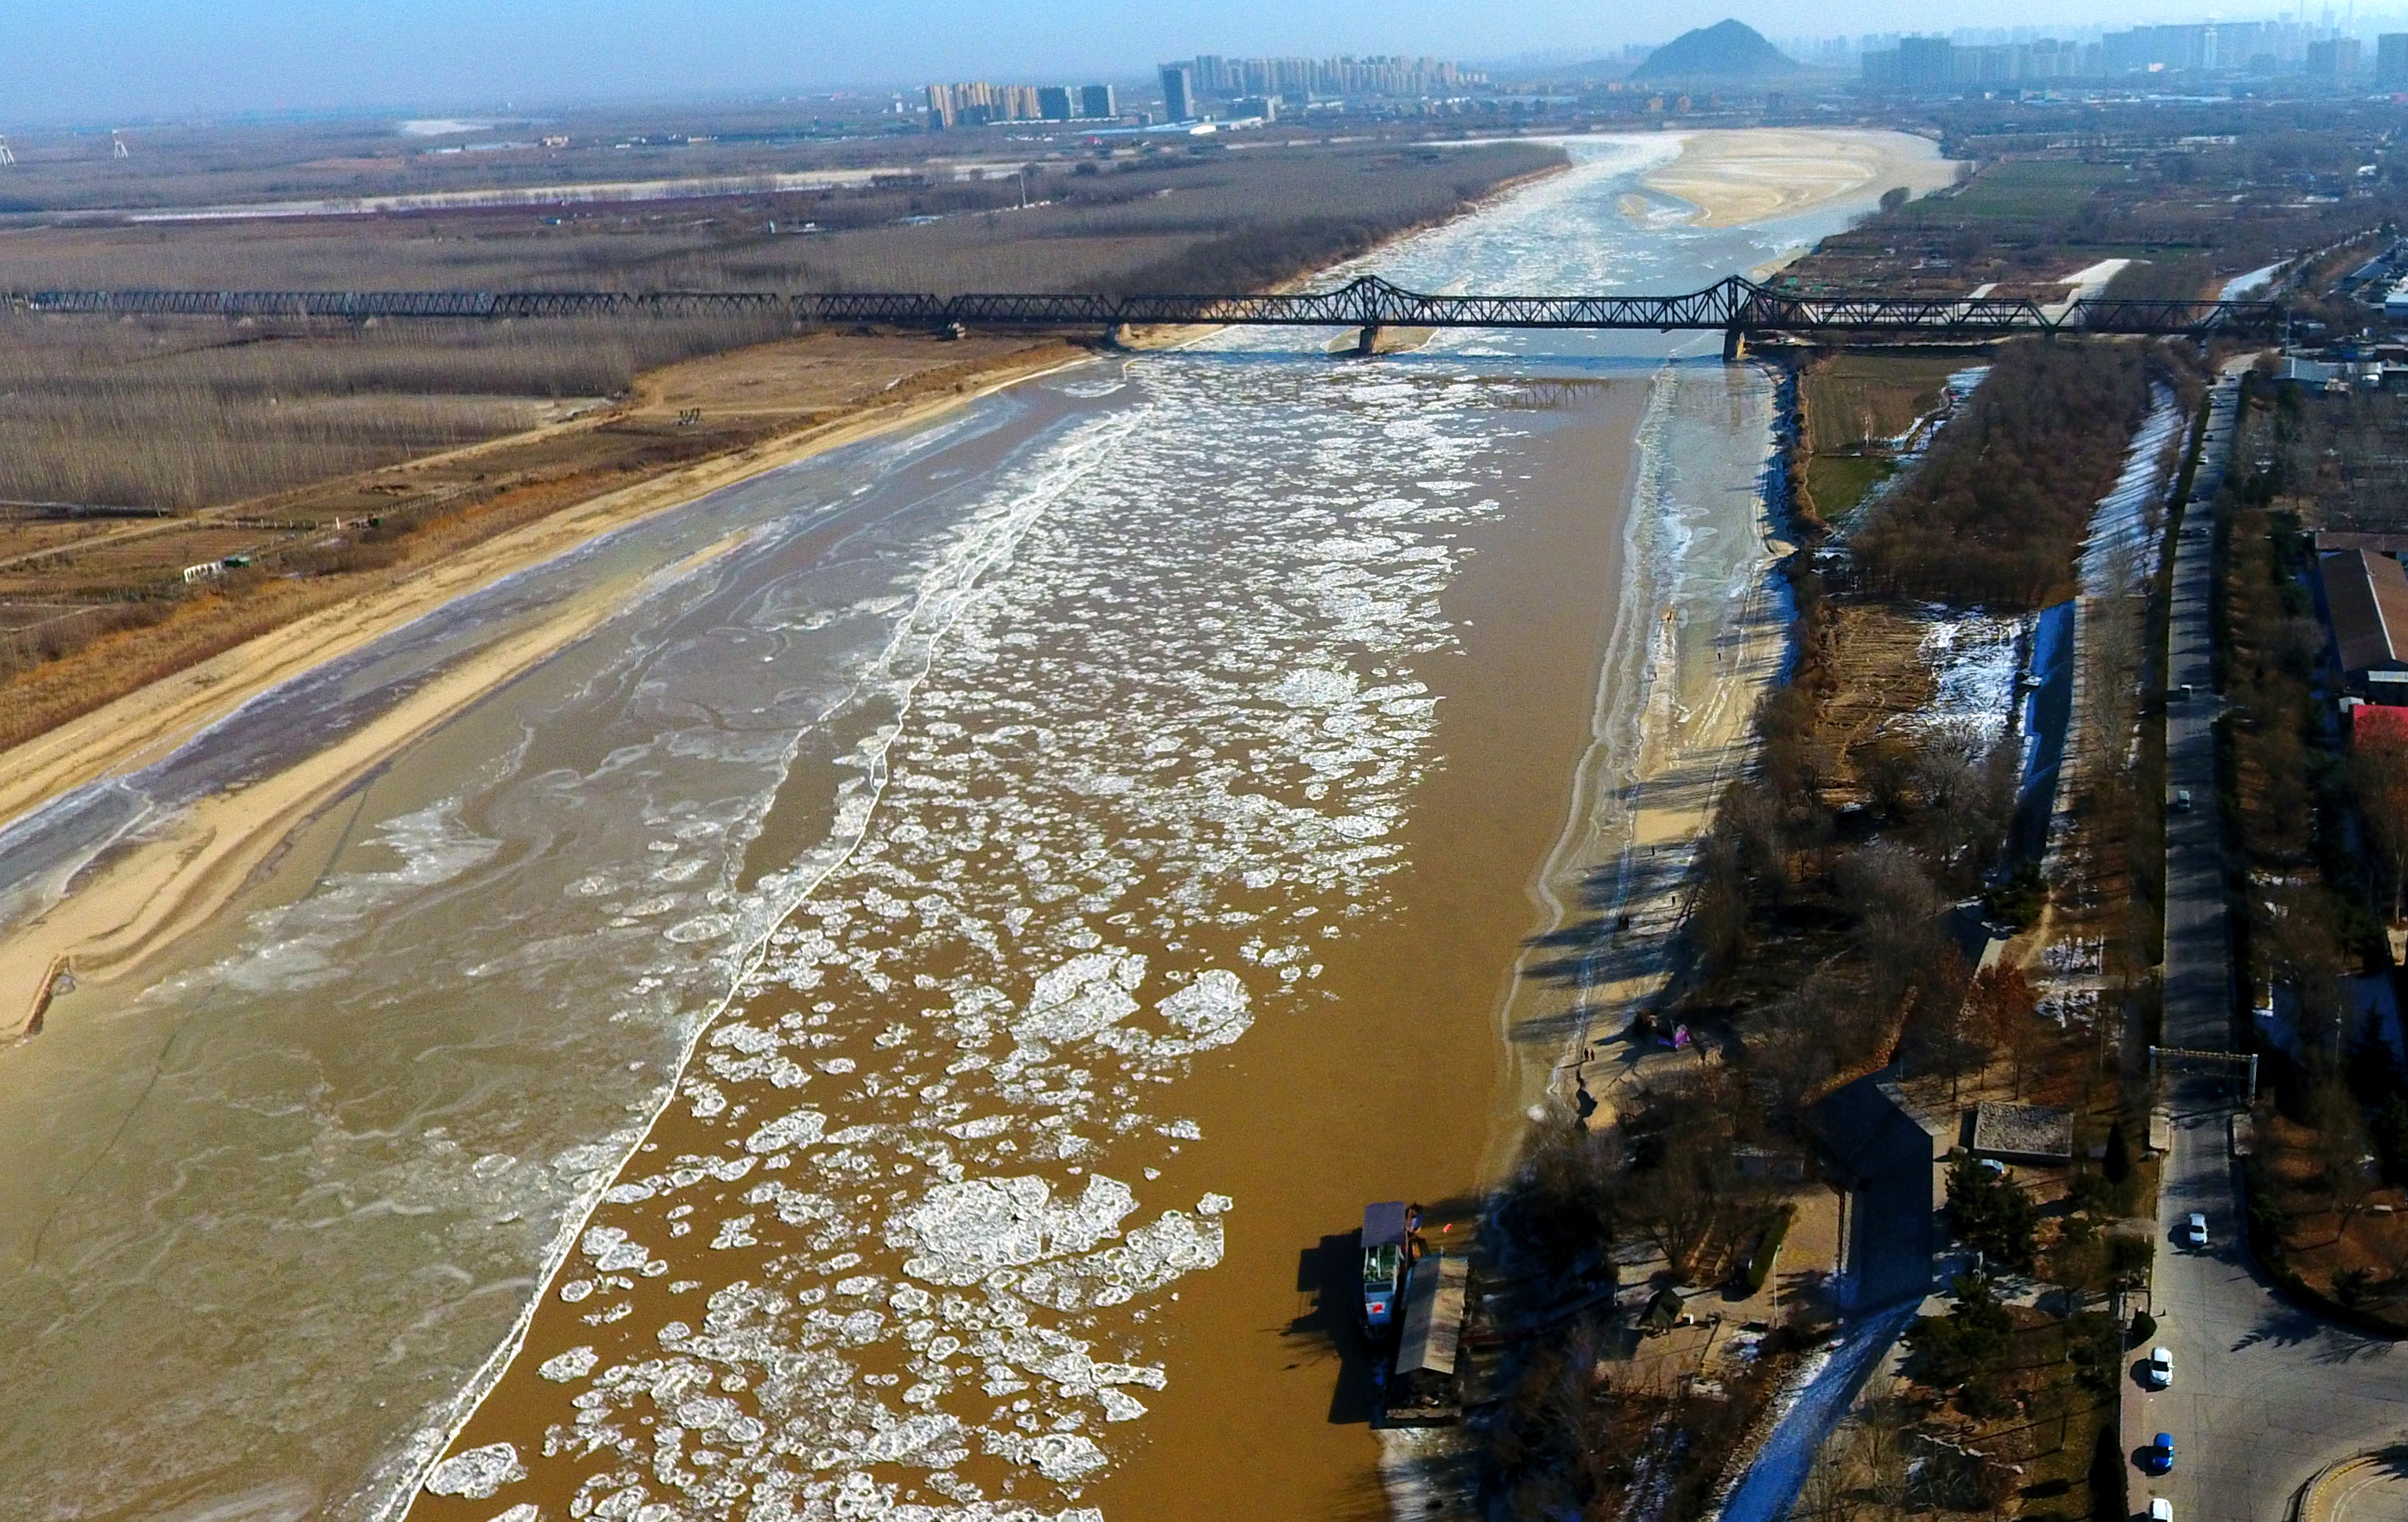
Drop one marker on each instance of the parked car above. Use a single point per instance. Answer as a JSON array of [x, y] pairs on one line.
[[2158, 1458], [2181, 800], [2162, 1368], [2195, 1229], [2160, 1509]]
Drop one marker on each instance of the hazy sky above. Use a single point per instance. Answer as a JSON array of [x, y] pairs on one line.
[[88, 61]]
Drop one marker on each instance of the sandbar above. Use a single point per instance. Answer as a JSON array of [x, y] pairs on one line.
[[1766, 173]]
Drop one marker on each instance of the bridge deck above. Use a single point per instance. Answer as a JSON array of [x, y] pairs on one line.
[[1729, 306]]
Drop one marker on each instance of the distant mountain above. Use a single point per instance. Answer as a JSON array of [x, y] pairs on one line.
[[1724, 51]]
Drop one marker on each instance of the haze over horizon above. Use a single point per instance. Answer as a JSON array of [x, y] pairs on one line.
[[121, 59]]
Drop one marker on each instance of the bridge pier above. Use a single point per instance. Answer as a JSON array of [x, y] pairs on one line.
[[1367, 343], [1734, 343]]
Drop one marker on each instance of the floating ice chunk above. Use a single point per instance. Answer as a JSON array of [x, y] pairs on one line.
[[575, 1363], [736, 1232], [962, 1232], [1213, 1204], [1082, 996], [801, 1128], [477, 1474], [747, 1038], [612, 1252], [1057, 1455], [1211, 1009], [575, 1290], [1119, 1407], [931, 1439], [525, 1511], [1314, 688], [986, 1126]]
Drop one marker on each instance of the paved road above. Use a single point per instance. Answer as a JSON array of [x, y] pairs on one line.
[[2264, 1395], [2199, 943]]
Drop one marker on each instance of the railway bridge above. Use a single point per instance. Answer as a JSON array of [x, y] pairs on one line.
[[1739, 308]]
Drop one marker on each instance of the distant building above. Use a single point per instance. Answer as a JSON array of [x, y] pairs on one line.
[[2391, 59], [1053, 103], [1925, 66], [1178, 92], [1265, 106], [2335, 58], [1097, 103], [1299, 81], [940, 107]]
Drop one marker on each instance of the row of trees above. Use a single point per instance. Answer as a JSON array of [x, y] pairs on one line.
[[1994, 514]]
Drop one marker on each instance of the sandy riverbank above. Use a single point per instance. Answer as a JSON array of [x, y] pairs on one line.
[[142, 900], [1702, 633], [1766, 173]]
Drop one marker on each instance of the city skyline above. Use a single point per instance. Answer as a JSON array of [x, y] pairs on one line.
[[170, 59]]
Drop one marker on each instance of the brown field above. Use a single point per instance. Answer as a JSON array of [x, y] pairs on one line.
[[1853, 401], [1112, 219], [1878, 672], [333, 454], [141, 621]]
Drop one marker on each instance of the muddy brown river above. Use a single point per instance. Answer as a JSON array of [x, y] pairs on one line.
[[902, 1020]]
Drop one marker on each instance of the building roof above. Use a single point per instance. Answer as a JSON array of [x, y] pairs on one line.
[[2366, 596], [2375, 721], [2001, 1130], [2347, 538], [1383, 1224], [1433, 1315]]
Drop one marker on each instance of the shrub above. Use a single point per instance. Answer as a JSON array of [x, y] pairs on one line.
[[1986, 1211]]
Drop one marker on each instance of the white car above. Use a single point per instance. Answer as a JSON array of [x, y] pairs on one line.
[[2162, 1368], [2195, 1229], [2160, 1509]]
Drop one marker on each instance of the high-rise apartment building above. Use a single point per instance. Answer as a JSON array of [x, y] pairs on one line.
[[1178, 92], [2391, 59], [2335, 58], [977, 104], [1924, 64]]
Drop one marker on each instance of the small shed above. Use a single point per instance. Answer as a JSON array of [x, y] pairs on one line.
[[2023, 1133]]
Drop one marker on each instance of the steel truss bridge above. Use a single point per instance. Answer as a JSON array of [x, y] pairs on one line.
[[1734, 307]]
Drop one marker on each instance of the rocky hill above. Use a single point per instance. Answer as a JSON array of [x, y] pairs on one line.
[[1728, 50]]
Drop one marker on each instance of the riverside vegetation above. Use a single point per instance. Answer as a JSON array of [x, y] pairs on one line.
[[1822, 946]]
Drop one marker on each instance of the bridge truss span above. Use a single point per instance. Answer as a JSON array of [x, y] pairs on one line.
[[1734, 307]]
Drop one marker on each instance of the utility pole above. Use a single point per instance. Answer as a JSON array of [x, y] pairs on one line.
[[116, 148], [5, 156]]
